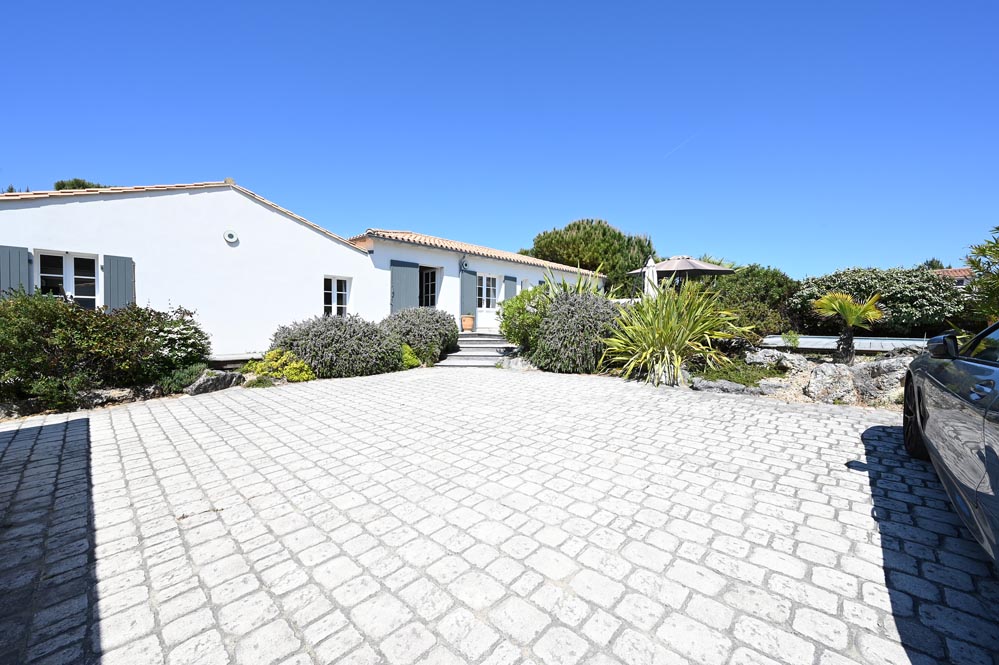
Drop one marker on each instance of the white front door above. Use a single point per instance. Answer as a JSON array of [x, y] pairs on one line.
[[485, 315]]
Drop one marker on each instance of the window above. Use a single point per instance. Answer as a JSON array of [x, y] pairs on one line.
[[50, 273], [85, 282], [334, 296], [71, 276], [986, 348], [428, 287], [487, 292]]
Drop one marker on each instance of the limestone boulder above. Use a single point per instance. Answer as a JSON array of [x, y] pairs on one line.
[[212, 380], [832, 383]]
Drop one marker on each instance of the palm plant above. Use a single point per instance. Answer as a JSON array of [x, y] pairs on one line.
[[852, 315], [655, 336]]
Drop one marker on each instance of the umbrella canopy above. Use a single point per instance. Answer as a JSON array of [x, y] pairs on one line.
[[686, 266], [682, 267]]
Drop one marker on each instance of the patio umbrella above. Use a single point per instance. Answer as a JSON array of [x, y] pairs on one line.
[[682, 267]]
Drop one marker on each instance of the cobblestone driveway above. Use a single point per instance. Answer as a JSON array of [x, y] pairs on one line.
[[481, 516]]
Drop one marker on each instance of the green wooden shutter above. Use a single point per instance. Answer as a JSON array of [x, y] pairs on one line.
[[405, 285], [119, 282], [509, 287], [15, 270]]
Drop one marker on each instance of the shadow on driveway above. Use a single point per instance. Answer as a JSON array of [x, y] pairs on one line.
[[47, 595], [942, 589]]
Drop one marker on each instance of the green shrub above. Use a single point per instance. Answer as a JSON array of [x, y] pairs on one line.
[[915, 301], [759, 298], [431, 332], [341, 346], [178, 379], [52, 349], [520, 317], [259, 382], [570, 336], [280, 364], [738, 371], [655, 336], [409, 358]]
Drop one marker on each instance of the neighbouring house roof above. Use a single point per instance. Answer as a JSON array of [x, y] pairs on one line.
[[463, 247], [955, 273], [101, 191]]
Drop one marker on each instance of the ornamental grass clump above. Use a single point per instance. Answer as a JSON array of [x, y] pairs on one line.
[[341, 346], [570, 336], [655, 336], [431, 333]]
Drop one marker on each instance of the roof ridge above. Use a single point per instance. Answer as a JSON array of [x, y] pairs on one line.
[[468, 247], [47, 193]]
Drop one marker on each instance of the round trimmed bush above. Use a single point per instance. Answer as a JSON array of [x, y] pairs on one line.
[[570, 339], [341, 346], [430, 332], [915, 301]]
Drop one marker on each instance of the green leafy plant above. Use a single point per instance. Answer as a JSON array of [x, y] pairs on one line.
[[915, 301], [850, 314], [791, 339], [759, 297], [655, 336], [280, 364], [178, 379], [983, 259], [431, 333], [409, 358], [259, 382], [570, 336], [52, 350], [341, 346], [520, 317]]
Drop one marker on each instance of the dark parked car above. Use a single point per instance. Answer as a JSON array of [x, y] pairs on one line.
[[951, 417]]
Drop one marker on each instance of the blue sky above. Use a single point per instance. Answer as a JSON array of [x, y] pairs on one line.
[[809, 136]]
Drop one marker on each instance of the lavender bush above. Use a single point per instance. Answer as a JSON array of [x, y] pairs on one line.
[[341, 346]]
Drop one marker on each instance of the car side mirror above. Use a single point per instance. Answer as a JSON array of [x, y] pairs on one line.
[[942, 346]]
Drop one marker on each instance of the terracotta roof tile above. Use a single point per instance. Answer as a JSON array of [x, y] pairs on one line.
[[464, 247], [955, 273]]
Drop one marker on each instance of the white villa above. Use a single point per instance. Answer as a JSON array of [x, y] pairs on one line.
[[243, 263]]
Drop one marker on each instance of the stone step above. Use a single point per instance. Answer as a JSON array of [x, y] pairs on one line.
[[479, 353], [451, 362], [483, 344]]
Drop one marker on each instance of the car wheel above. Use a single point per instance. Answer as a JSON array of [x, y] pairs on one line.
[[912, 433]]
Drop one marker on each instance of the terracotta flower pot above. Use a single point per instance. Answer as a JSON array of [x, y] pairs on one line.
[[467, 322]]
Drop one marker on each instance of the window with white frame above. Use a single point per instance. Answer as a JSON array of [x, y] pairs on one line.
[[428, 287], [487, 292], [69, 275], [335, 296]]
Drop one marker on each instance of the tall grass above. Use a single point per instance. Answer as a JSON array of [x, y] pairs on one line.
[[655, 336]]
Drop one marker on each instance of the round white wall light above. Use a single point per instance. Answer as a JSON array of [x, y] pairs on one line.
[[230, 236]]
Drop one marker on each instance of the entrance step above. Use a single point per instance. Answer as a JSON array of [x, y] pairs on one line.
[[478, 349]]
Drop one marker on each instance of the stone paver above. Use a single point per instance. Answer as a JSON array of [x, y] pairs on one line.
[[481, 516]]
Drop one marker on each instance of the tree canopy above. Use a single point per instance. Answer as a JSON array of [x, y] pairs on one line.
[[983, 259], [76, 183], [593, 244], [932, 264]]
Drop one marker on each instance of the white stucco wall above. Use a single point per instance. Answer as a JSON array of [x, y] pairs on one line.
[[241, 292], [449, 290]]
